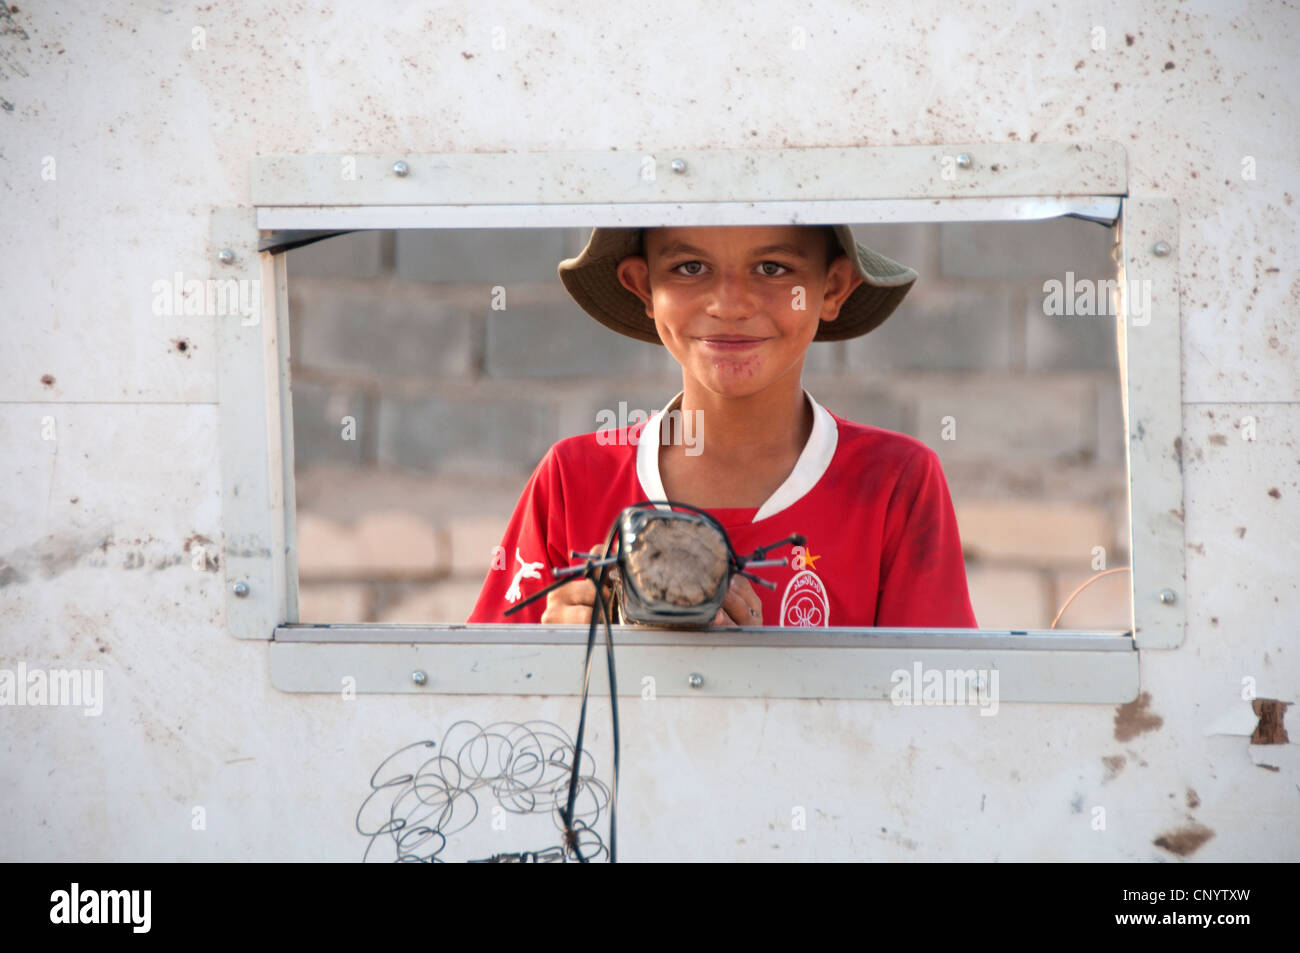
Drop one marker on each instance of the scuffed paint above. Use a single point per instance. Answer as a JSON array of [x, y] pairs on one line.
[[1114, 765]]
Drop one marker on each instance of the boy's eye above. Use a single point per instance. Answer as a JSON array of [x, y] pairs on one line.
[[768, 274]]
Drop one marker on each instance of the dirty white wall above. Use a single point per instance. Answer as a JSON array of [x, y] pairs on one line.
[[117, 139]]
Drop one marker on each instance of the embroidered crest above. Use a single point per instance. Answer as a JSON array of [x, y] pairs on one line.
[[805, 602]]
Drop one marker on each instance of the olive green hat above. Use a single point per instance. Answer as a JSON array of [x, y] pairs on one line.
[[592, 280]]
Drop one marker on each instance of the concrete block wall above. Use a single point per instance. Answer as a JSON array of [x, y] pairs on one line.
[[419, 410]]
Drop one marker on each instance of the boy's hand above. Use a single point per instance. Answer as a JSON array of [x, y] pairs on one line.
[[741, 607], [574, 602]]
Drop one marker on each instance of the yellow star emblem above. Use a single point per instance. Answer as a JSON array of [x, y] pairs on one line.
[[809, 559]]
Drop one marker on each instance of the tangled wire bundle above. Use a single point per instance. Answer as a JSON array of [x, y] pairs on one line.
[[427, 791], [684, 561]]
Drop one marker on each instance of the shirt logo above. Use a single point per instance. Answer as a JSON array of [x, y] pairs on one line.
[[526, 571], [805, 602]]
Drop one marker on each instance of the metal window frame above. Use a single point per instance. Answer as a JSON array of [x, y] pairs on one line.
[[296, 198]]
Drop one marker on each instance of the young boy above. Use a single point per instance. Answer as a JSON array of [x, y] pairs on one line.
[[737, 307]]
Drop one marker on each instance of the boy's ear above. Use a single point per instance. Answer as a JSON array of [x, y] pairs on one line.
[[842, 279], [634, 274]]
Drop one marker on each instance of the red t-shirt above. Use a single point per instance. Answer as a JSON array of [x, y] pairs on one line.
[[882, 545]]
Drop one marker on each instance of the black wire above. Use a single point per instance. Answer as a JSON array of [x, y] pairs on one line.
[[589, 568], [613, 707], [426, 792], [567, 816], [613, 555]]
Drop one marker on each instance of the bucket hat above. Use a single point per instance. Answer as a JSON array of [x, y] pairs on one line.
[[592, 280]]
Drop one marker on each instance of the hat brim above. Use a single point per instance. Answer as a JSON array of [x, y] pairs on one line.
[[592, 280]]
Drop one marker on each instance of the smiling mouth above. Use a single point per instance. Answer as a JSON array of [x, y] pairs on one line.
[[730, 344], [730, 341]]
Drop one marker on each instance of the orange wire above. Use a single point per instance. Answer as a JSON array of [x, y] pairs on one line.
[[1080, 589]]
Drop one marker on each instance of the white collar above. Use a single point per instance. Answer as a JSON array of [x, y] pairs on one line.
[[808, 469]]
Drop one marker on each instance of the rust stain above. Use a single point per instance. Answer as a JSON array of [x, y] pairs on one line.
[[1275, 493], [1134, 719], [1186, 840], [1270, 730], [1193, 799], [1218, 439]]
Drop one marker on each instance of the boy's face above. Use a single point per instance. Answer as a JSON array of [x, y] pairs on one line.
[[737, 306]]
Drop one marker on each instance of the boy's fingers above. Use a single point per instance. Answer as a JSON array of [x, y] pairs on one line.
[[574, 602], [737, 611], [742, 603], [580, 592]]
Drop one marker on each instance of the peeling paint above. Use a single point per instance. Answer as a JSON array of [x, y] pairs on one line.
[[1134, 719], [1186, 840], [1270, 730]]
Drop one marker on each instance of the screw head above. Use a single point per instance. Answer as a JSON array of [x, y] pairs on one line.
[[695, 680], [1168, 596], [419, 677], [964, 160], [240, 589], [225, 256], [678, 166], [1161, 249], [401, 169]]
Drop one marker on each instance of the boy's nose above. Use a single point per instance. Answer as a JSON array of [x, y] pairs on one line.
[[732, 296]]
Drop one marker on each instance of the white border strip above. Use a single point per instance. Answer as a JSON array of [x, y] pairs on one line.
[[1103, 209]]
